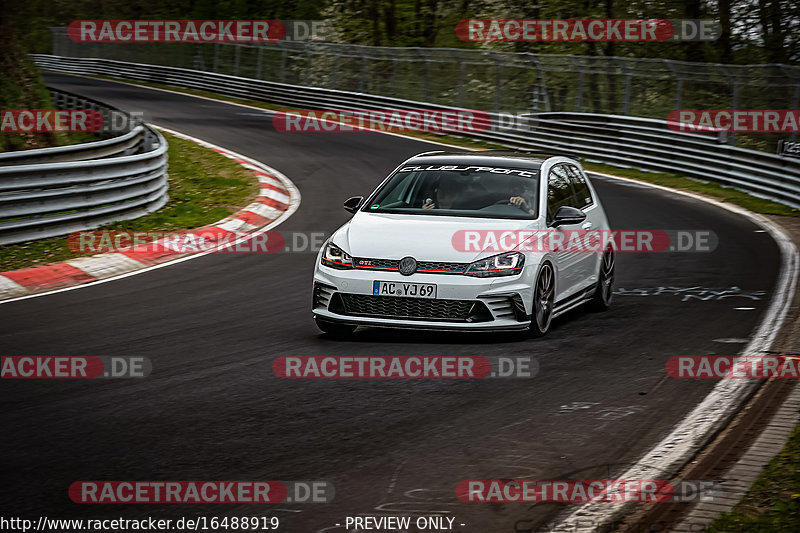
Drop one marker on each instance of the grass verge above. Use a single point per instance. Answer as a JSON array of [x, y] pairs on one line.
[[713, 190], [773, 502], [204, 187]]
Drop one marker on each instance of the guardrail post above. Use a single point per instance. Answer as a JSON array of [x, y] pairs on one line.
[[734, 99], [237, 52], [734, 105], [394, 77], [796, 98], [333, 77], [626, 102], [498, 82], [427, 83], [283, 65], [795, 105], [679, 87], [542, 84], [362, 81], [198, 63], [579, 95], [55, 44], [308, 65], [462, 71]]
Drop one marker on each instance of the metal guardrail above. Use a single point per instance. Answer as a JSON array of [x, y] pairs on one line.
[[55, 191], [626, 141], [491, 78]]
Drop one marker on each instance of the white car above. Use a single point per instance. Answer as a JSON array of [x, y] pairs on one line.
[[467, 241]]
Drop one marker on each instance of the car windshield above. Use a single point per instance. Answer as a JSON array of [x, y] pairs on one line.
[[459, 190]]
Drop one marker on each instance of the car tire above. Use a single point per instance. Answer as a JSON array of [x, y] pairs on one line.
[[334, 329], [544, 291], [603, 294]]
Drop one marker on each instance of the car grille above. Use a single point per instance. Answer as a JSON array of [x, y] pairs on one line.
[[432, 267], [412, 308]]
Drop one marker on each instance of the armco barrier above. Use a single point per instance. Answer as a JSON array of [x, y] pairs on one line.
[[643, 143], [55, 191]]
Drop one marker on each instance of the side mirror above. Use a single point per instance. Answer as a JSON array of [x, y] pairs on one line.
[[353, 203], [567, 215]]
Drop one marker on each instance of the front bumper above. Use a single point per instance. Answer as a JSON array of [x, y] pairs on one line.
[[463, 303]]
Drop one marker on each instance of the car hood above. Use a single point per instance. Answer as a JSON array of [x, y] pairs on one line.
[[424, 237]]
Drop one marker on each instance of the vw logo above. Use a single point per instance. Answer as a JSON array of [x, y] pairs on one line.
[[407, 266]]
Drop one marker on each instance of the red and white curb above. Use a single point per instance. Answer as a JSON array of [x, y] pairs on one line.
[[278, 199]]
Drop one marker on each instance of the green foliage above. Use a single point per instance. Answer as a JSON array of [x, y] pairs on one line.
[[766, 31], [753, 32], [773, 502], [21, 87]]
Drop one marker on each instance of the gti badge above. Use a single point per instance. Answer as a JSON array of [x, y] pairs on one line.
[[407, 266]]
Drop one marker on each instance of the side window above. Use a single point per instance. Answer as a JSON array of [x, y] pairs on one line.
[[559, 191], [583, 197]]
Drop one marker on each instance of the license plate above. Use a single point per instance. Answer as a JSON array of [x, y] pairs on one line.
[[408, 290]]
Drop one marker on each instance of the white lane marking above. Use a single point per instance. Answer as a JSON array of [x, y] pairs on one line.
[[713, 412], [286, 183], [615, 413], [744, 308], [575, 406], [393, 481], [732, 340], [698, 293]]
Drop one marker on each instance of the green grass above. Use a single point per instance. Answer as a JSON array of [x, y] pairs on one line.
[[773, 502], [204, 187], [713, 190]]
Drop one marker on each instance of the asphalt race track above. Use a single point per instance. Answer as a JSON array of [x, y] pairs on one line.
[[212, 408]]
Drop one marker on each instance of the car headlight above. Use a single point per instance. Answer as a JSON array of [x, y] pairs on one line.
[[507, 264], [335, 257]]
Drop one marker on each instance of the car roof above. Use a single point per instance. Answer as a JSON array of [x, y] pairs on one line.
[[518, 159]]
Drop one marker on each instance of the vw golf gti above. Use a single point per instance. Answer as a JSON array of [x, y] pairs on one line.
[[454, 241]]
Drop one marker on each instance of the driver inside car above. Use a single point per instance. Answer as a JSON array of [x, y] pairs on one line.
[[449, 193], [523, 197]]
